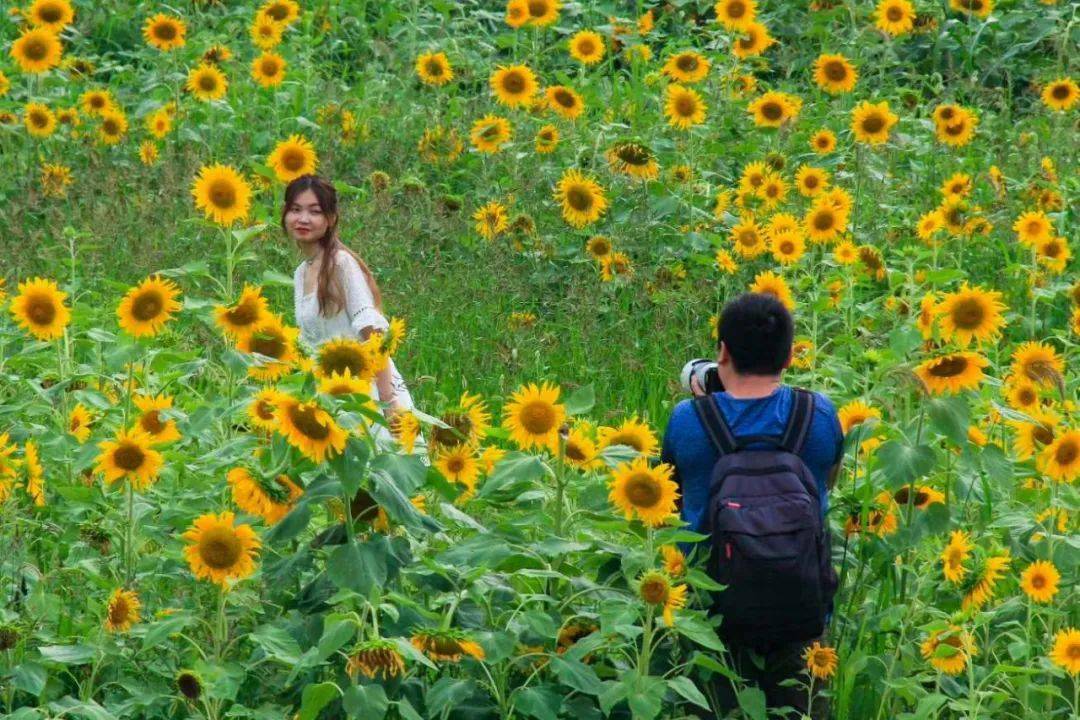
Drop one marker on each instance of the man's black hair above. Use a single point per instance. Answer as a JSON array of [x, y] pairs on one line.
[[758, 331]]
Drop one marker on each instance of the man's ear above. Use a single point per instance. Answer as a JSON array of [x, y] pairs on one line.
[[723, 357]]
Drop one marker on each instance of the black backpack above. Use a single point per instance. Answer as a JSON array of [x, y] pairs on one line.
[[768, 543]]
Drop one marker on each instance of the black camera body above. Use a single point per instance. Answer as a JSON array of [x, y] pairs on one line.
[[706, 374]]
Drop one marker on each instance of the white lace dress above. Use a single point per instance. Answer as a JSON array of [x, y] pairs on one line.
[[359, 313]]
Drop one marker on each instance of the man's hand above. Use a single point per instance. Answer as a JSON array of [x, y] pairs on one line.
[[696, 388]]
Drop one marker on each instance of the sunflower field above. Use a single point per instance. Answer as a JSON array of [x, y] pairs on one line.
[[201, 517]]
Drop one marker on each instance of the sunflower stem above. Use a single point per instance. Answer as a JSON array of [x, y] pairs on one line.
[[129, 535]]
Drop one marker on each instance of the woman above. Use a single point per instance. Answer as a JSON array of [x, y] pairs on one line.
[[335, 294]]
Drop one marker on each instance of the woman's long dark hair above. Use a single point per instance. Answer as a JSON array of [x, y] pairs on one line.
[[330, 293]]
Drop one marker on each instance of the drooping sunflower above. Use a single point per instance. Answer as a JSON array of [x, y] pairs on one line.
[[683, 107], [309, 428], [855, 413], [564, 101], [146, 308], [971, 314], [35, 474], [821, 661], [268, 69], [129, 457], [219, 550], [275, 341], [753, 40], [122, 610], [1061, 94], [949, 650], [1039, 581], [241, 318], [823, 142], [433, 68], [222, 193], [582, 198], [207, 82], [39, 120], [52, 15], [643, 491], [688, 66], [446, 645], [952, 373], [1066, 651], [37, 50], [894, 17], [164, 32], [270, 500], [632, 433], [490, 133], [513, 85], [113, 127], [1038, 362], [39, 309], [376, 659], [656, 590], [292, 158], [534, 415], [587, 47], [79, 420], [871, 122], [633, 159], [1060, 460], [735, 14], [835, 74]]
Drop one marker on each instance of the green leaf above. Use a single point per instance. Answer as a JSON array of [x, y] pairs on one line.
[[315, 698], [539, 702], [686, 687], [358, 567], [902, 463], [162, 629], [350, 465], [513, 475], [273, 277], [29, 677], [69, 706], [368, 702], [289, 526], [752, 702], [338, 629], [646, 698], [68, 654], [577, 675], [950, 416], [691, 626], [447, 693], [277, 643], [581, 400]]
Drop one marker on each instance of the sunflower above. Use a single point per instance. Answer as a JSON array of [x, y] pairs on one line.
[[241, 318], [920, 496], [39, 120], [1066, 651], [735, 14], [114, 126], [513, 85], [1021, 394], [1054, 253], [871, 122], [811, 180], [787, 247], [587, 47], [754, 39], [632, 433], [460, 465], [821, 661], [467, 423], [377, 659], [217, 54], [270, 501], [774, 109], [146, 308], [978, 8], [122, 610], [1033, 227], [656, 590], [952, 373], [263, 408], [971, 313], [5, 84], [266, 32], [292, 158], [164, 32], [96, 101], [949, 650], [773, 191], [362, 358], [579, 450], [1037, 362], [433, 68], [958, 185], [983, 582], [894, 17], [268, 69], [35, 474], [129, 457], [633, 159], [533, 416], [490, 133], [491, 220], [207, 82], [79, 420], [674, 560], [284, 12], [39, 309], [542, 12], [835, 74], [823, 142], [406, 429], [220, 551], [222, 194], [1060, 460], [517, 13], [52, 15], [1039, 581], [148, 152], [845, 252], [564, 101], [1061, 94], [274, 340], [599, 247], [748, 238], [855, 413], [582, 198], [309, 428], [823, 221], [958, 131], [643, 491], [1032, 435], [68, 116], [37, 50], [345, 383], [687, 66], [189, 684], [446, 645], [769, 283], [684, 107]]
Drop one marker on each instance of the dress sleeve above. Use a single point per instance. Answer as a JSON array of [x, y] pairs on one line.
[[359, 301], [298, 290]]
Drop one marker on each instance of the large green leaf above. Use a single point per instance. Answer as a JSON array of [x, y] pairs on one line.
[[68, 654], [577, 675], [686, 687], [277, 643], [315, 698], [366, 702], [539, 702], [950, 416], [902, 464]]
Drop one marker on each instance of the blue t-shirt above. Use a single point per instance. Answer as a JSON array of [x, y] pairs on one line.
[[688, 448]]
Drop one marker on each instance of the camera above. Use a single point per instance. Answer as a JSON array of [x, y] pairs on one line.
[[704, 370]]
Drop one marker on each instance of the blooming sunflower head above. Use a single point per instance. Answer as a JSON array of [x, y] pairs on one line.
[[219, 550], [122, 610], [146, 308], [645, 492], [39, 309]]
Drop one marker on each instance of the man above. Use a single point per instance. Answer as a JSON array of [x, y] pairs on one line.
[[755, 333]]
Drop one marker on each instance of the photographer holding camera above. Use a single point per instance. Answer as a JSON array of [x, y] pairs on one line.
[[754, 459]]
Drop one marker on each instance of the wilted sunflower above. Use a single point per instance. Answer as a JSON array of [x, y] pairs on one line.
[[971, 313], [292, 158], [39, 309], [821, 661], [446, 645], [582, 198], [222, 194], [309, 428], [129, 457], [735, 14], [37, 50], [164, 32], [270, 500], [39, 120], [643, 491], [268, 69], [684, 107], [377, 659], [949, 650], [513, 85], [871, 122], [1060, 460], [633, 159], [633, 433], [439, 145], [952, 373], [52, 15], [113, 127], [547, 139], [1066, 651], [220, 551], [587, 47], [79, 420], [835, 74], [490, 133], [122, 610], [434, 68], [894, 17], [240, 319], [1061, 94], [1039, 581], [655, 589], [687, 66], [564, 101], [206, 82], [753, 40], [274, 340], [823, 142], [55, 179], [533, 416], [146, 308]]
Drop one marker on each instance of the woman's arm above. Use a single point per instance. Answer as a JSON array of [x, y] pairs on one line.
[[365, 318]]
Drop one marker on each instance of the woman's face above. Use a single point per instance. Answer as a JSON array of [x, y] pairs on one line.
[[305, 220]]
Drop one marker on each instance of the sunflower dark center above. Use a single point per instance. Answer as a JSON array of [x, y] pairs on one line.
[[269, 344], [811, 181], [685, 106], [340, 359], [538, 8], [147, 306], [949, 366], [654, 591], [565, 98], [687, 63], [51, 13], [292, 159], [748, 237], [1067, 453], [151, 422], [772, 110], [306, 420], [824, 220], [836, 71], [1038, 581], [586, 46], [514, 83], [736, 10], [242, 315], [39, 119], [873, 124], [223, 195], [956, 129], [278, 11], [270, 67], [207, 82], [41, 310], [110, 126], [575, 452], [220, 548], [455, 464], [968, 314], [642, 490], [894, 13], [97, 101], [165, 31], [579, 198], [461, 426], [434, 67], [537, 417], [1060, 91], [129, 457], [35, 49], [119, 610], [1042, 434]]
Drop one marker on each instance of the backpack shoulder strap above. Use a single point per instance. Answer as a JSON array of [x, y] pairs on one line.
[[798, 425], [715, 425]]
